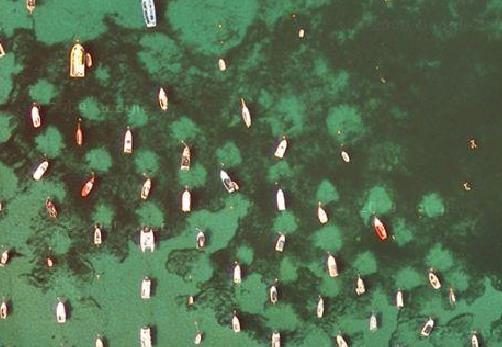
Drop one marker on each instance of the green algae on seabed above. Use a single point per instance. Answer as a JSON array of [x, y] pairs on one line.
[[43, 92], [288, 269], [7, 127], [285, 222], [251, 293], [365, 263], [386, 156], [8, 178], [99, 160], [195, 177], [8, 69], [315, 337], [328, 238], [146, 162], [458, 279], [378, 202], [327, 192], [102, 74], [402, 232], [408, 278], [50, 142], [136, 116], [279, 172], [184, 129], [211, 27], [439, 258], [103, 214], [329, 287], [281, 316], [245, 254], [91, 109], [229, 154], [287, 116], [431, 206], [161, 57], [345, 124], [150, 214]]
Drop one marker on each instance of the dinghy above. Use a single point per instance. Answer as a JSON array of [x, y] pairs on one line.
[[332, 267], [281, 148], [146, 240], [322, 215], [60, 312], [222, 65], [77, 61], [35, 116], [186, 201], [340, 341], [360, 288], [279, 244], [345, 156], [145, 189], [97, 235], [99, 342], [236, 324], [2, 51], [3, 310], [145, 337], [276, 339], [128, 141], [146, 285], [149, 13], [399, 299], [185, 158], [301, 33], [379, 228], [280, 201], [434, 279], [163, 100], [51, 208], [273, 292], [427, 328], [40, 171], [373, 322], [451, 297], [200, 239], [237, 273], [230, 186], [87, 187], [4, 258], [474, 340], [246, 115], [198, 338], [30, 6], [320, 307], [88, 60], [79, 134]]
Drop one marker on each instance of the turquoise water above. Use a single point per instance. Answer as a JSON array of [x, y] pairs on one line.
[[400, 85]]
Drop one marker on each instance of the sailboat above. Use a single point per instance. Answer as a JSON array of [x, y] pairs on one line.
[[360, 288], [128, 141], [222, 65], [427, 328], [4, 258], [246, 115], [340, 341], [399, 299], [345, 156], [273, 292], [79, 134], [200, 239], [146, 285], [149, 13], [87, 187], [77, 61], [280, 201], [322, 215], [279, 244], [145, 188], [281, 148], [474, 340], [373, 322], [163, 100], [379, 228], [276, 339], [30, 6], [51, 208], [230, 185], [434, 279], [185, 158], [40, 171], [332, 267], [60, 312], [198, 338], [237, 273], [320, 307], [186, 201], [236, 324], [35, 115], [97, 235], [4, 311]]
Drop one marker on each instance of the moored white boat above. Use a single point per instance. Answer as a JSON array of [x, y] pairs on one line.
[[185, 158], [301, 33], [128, 141], [51, 208], [360, 288], [246, 115], [2, 51], [60, 312], [198, 338], [451, 297], [276, 339], [4, 258], [145, 188], [146, 285], [222, 65], [237, 273], [30, 6], [77, 61], [35, 115], [279, 244], [320, 307], [340, 341], [332, 267], [399, 299], [186, 200], [427, 328], [280, 200], [434, 279], [236, 324], [230, 186], [145, 337], [345, 156], [281, 148], [273, 292], [97, 235], [373, 322], [322, 215], [474, 340], [79, 133], [99, 342], [4, 310], [41, 169], [146, 240], [149, 13], [163, 100], [200, 239]]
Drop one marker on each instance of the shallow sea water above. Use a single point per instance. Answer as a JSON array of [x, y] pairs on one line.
[[400, 85]]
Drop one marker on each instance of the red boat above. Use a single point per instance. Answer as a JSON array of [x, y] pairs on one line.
[[79, 135], [51, 208], [379, 228], [87, 188]]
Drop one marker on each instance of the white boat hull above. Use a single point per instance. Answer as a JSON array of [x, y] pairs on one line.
[[246, 115], [35, 117], [345, 156], [3, 310], [146, 240], [200, 240], [273, 294], [281, 149], [280, 200], [236, 324], [427, 328], [340, 341], [276, 340], [332, 267], [322, 215], [230, 186], [237, 274], [128, 144], [60, 312], [146, 285], [186, 201], [279, 244], [373, 323], [145, 189], [97, 236], [198, 338], [145, 337], [163, 100], [320, 308], [434, 280], [99, 342], [360, 288], [222, 65], [399, 299], [40, 171]]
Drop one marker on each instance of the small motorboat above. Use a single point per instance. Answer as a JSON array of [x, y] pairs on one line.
[[145, 337], [146, 285], [41, 170], [4, 311], [279, 244], [87, 187], [451, 297], [434, 279], [97, 235], [399, 299], [474, 340], [146, 240], [427, 328], [99, 342], [340, 341], [35, 115], [230, 186], [2, 51], [246, 115], [60, 312], [198, 338], [276, 339], [88, 60], [79, 134], [4, 258], [128, 141], [301, 33], [200, 239], [320, 307], [163, 100], [360, 288], [345, 156], [281, 148], [149, 12], [280, 200], [273, 292], [222, 65], [186, 201], [51, 208], [332, 267], [237, 273], [49, 261], [236, 324], [77, 61], [145, 189], [185, 158], [379, 228], [373, 322], [322, 215], [30, 5], [190, 300]]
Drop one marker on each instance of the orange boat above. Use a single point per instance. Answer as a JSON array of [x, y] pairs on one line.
[[79, 135], [87, 188], [379, 228], [51, 208]]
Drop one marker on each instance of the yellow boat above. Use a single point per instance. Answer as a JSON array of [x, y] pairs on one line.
[[77, 61]]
